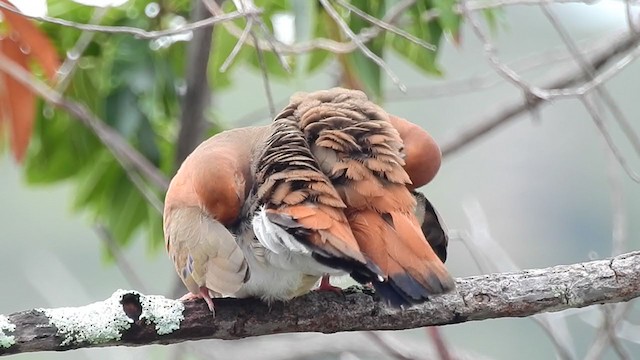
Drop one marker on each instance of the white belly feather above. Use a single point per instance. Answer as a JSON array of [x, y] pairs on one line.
[[281, 267]]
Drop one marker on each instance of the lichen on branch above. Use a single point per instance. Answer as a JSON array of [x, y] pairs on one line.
[[131, 319]]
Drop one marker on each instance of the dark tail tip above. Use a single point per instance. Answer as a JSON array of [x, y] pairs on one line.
[[402, 290]]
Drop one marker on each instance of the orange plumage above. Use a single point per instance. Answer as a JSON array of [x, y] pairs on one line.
[[326, 188], [352, 148]]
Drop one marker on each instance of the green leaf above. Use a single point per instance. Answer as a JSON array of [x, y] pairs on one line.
[[96, 183], [132, 88], [448, 18], [494, 18], [364, 68], [271, 63], [430, 32], [223, 44], [271, 6], [127, 210], [59, 148], [318, 58]]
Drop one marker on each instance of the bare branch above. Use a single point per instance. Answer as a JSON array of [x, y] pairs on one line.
[[600, 91], [501, 68], [287, 347], [492, 257], [630, 23], [236, 48], [478, 82], [129, 318], [67, 69], [265, 78], [360, 44], [598, 80], [388, 346], [611, 318], [336, 47], [615, 150], [598, 59], [475, 5], [386, 26], [439, 343], [137, 32]]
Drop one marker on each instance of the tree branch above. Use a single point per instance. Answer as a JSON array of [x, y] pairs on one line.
[[597, 59], [132, 319], [198, 95], [137, 32]]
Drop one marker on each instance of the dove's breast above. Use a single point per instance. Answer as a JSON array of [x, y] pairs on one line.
[[276, 275]]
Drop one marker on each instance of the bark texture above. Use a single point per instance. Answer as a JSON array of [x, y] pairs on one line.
[[516, 294]]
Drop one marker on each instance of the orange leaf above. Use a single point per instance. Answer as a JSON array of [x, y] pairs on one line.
[[36, 44], [17, 102]]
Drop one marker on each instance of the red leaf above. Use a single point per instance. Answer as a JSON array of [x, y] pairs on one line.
[[17, 103], [39, 47]]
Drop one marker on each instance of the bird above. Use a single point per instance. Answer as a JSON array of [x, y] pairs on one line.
[[327, 188]]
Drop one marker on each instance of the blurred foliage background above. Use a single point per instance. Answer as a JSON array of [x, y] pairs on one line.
[[546, 184]]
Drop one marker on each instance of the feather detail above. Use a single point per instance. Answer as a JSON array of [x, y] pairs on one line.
[[323, 189], [432, 226], [299, 206], [362, 154], [205, 253]]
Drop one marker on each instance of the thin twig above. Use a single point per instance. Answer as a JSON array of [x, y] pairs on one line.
[[630, 23], [67, 69], [601, 340], [393, 350], [236, 49], [601, 56], [600, 91], [386, 26], [482, 81], [477, 5], [619, 223], [615, 150], [127, 270], [137, 32], [365, 50], [265, 79], [598, 80], [501, 68], [439, 343], [492, 257], [274, 44], [336, 47], [619, 116]]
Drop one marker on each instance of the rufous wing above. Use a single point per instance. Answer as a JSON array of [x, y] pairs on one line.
[[362, 154], [296, 197]]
